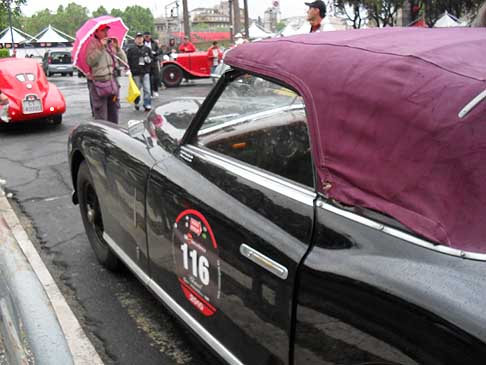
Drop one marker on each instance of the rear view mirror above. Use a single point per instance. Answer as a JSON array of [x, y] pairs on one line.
[[135, 128]]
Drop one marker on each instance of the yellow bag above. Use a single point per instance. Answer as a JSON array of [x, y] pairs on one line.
[[133, 91]]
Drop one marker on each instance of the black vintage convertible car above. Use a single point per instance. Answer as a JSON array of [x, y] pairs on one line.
[[325, 204]]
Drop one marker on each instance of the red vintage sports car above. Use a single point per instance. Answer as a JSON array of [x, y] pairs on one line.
[[194, 65], [31, 96]]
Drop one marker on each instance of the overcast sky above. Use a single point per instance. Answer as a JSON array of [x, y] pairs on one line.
[[256, 7]]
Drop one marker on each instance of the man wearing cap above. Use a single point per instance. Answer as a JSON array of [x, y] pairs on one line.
[[155, 69], [315, 15], [140, 62], [101, 54]]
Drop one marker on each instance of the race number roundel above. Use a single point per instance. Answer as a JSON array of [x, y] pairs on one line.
[[196, 260]]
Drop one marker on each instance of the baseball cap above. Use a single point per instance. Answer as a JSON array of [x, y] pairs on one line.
[[317, 4], [103, 26], [146, 33], [139, 34]]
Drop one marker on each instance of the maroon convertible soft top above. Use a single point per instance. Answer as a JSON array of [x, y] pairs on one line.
[[383, 110]]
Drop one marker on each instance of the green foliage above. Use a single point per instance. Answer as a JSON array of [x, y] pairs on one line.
[[4, 53], [383, 12], [15, 9], [280, 25], [69, 18], [100, 11], [138, 19], [201, 27], [117, 13], [434, 9]]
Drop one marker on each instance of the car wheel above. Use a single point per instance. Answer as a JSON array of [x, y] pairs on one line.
[[93, 220], [172, 75], [71, 74], [63, 74]]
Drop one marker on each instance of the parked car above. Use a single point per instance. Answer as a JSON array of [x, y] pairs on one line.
[[31, 96], [58, 62], [331, 211], [187, 66]]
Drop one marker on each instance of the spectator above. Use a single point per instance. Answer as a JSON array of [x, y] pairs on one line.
[[3, 99], [315, 15], [215, 55], [103, 86], [140, 60], [155, 69], [187, 46]]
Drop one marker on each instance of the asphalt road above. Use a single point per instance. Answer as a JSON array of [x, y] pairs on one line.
[[124, 321]]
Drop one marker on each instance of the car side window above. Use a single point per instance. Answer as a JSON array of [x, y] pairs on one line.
[[263, 124]]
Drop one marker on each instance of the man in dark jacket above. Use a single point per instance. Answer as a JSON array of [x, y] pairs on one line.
[[155, 69], [139, 59]]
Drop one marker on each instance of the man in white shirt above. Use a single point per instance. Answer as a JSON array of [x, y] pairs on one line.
[[315, 15]]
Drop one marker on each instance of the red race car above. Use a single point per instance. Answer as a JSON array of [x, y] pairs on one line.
[[31, 96], [188, 66]]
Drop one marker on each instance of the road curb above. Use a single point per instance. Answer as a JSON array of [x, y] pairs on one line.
[[81, 348]]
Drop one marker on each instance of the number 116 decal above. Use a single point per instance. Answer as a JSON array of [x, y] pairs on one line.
[[196, 259]]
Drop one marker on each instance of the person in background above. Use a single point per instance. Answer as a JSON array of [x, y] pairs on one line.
[[315, 15], [155, 69], [140, 62], [215, 56], [187, 46], [100, 57], [170, 48], [3, 99]]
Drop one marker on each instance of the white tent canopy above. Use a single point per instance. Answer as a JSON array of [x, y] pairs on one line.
[[327, 27], [18, 36], [53, 35], [290, 29], [257, 31], [447, 21]]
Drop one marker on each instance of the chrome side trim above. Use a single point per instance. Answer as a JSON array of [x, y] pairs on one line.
[[173, 305], [472, 104], [264, 261], [402, 235], [293, 191], [186, 155]]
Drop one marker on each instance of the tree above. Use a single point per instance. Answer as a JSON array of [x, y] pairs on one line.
[[383, 12], [117, 13], [70, 18], [434, 9], [353, 10], [15, 9], [280, 26], [100, 11], [138, 19], [34, 24]]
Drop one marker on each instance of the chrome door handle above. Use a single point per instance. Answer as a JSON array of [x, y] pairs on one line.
[[264, 261]]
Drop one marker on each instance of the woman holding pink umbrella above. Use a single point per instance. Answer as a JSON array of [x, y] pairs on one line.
[[101, 54]]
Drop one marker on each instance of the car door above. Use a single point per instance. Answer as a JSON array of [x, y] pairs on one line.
[[230, 217]]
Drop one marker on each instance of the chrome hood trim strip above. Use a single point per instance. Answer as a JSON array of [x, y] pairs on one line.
[[293, 191], [402, 235]]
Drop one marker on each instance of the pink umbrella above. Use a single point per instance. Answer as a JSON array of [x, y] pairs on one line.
[[118, 30]]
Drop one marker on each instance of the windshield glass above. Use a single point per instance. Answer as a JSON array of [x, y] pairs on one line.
[[250, 97]]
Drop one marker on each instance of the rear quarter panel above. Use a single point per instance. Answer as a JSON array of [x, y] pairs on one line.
[[365, 296]]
